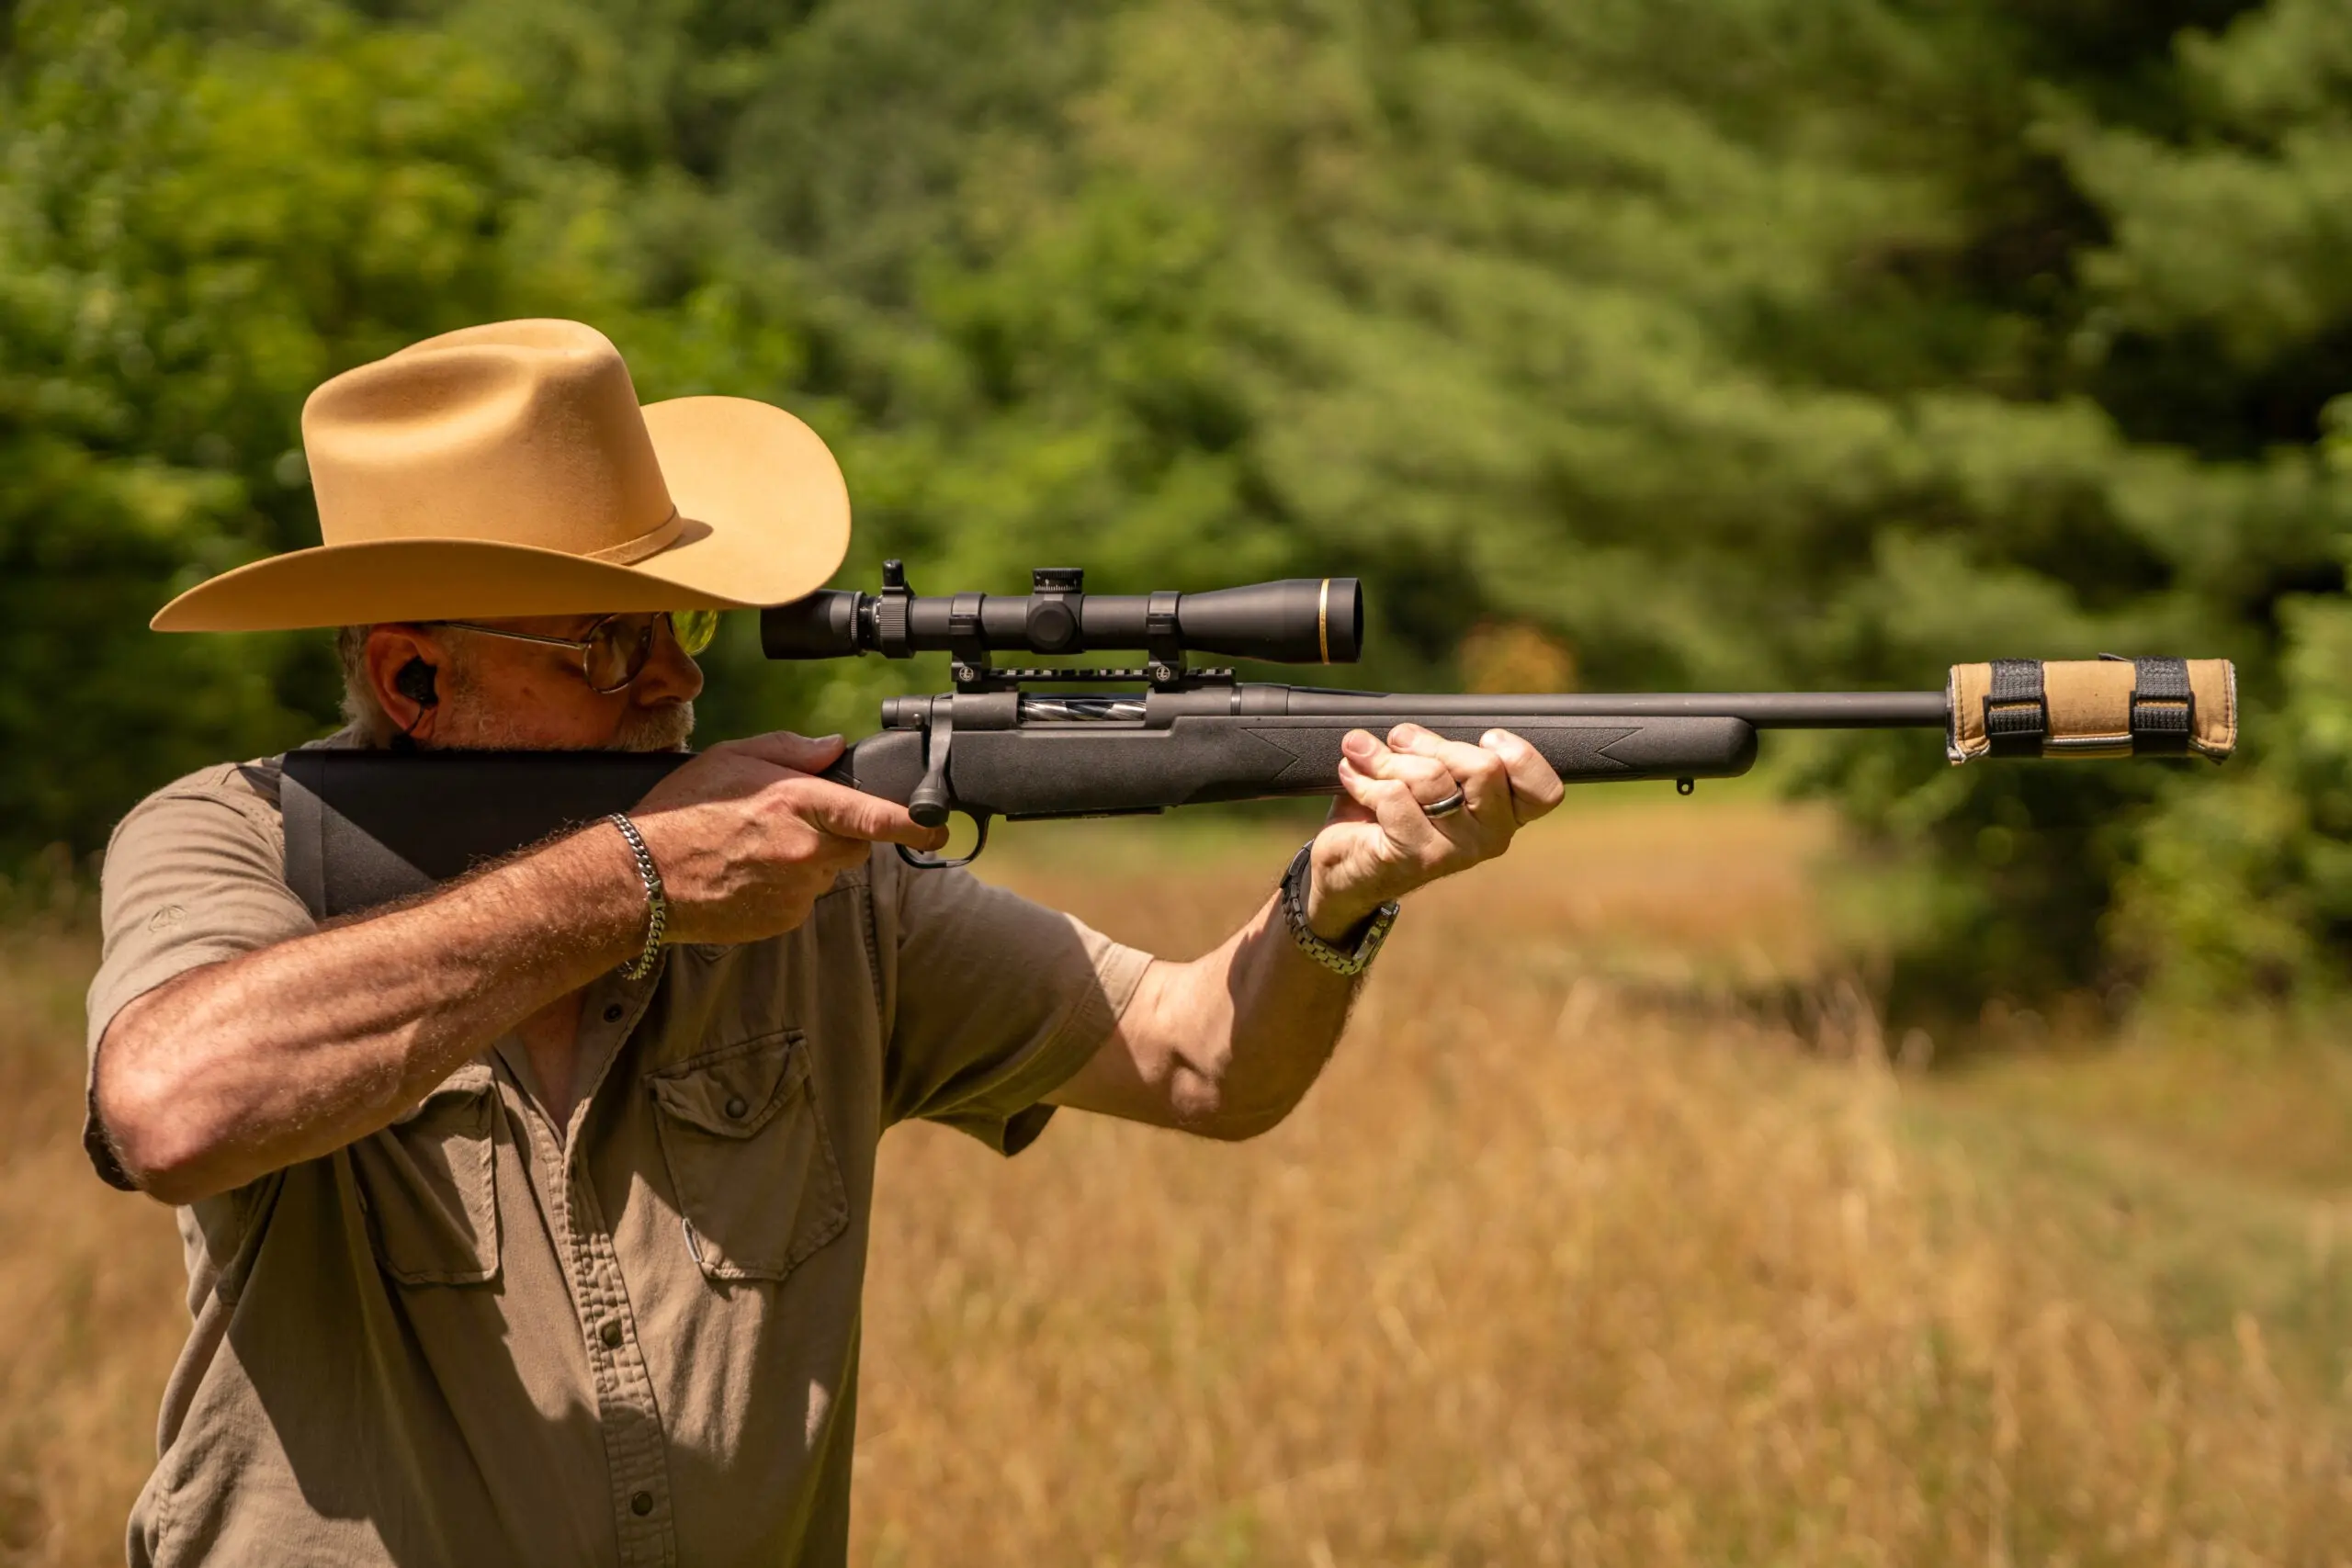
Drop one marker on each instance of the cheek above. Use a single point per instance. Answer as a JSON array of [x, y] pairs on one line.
[[542, 708]]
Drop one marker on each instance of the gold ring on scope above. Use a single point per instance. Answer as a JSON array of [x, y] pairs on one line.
[[1446, 807]]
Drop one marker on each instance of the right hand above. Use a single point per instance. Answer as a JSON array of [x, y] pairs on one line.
[[747, 837]]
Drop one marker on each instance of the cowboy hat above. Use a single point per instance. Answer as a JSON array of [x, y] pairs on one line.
[[507, 470]]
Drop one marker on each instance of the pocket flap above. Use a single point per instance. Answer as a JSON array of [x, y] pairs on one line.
[[750, 1165], [734, 1092], [429, 1184]]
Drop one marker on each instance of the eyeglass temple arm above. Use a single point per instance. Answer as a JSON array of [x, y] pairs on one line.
[[575, 644]]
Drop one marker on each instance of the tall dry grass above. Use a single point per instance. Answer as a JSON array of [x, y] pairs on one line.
[[1570, 1258], [1537, 1276], [92, 1295]]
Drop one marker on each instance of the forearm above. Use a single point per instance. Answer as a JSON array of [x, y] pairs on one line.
[[242, 1068], [1225, 1046]]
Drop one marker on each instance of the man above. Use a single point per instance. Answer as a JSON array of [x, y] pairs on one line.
[[525, 1221]]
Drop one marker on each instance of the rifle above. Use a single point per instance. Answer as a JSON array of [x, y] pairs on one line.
[[363, 828]]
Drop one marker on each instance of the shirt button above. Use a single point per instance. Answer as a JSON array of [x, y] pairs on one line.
[[611, 1333], [641, 1504], [736, 1107], [613, 1013]]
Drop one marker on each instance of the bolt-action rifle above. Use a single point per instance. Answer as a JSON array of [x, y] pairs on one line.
[[362, 826]]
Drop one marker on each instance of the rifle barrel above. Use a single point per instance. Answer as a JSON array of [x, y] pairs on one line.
[[1765, 710]]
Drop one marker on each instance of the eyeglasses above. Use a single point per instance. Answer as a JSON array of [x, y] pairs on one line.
[[614, 652]]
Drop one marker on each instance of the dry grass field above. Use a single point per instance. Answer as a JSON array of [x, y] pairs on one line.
[[1583, 1252]]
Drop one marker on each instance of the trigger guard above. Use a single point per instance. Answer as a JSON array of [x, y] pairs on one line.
[[932, 862]]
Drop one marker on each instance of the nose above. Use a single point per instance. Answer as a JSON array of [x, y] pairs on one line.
[[670, 674]]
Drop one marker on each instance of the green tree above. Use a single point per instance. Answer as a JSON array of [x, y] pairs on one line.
[[204, 216], [1743, 342]]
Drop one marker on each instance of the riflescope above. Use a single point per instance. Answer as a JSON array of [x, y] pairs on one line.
[[1301, 620]]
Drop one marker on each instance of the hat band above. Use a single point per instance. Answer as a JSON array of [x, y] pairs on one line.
[[652, 542]]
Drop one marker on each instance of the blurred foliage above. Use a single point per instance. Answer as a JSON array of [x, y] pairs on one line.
[[2248, 887], [1698, 341]]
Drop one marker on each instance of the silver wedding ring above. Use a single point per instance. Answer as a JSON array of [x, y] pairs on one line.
[[1446, 807]]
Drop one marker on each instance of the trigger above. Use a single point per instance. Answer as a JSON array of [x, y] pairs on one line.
[[932, 862]]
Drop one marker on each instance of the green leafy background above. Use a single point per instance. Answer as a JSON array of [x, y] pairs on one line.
[[1745, 343]]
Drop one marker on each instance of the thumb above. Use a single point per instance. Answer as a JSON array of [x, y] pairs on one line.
[[798, 752]]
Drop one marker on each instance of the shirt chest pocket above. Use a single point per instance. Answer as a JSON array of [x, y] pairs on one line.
[[749, 1157], [429, 1186]]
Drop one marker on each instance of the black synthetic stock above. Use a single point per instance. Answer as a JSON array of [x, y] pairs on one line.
[[1077, 769], [365, 828]]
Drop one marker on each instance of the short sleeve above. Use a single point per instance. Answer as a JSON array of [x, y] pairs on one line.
[[194, 874], [998, 1001]]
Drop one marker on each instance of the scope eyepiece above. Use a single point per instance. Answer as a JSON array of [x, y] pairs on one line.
[[1303, 620]]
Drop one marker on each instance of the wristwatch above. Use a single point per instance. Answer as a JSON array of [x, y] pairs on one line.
[[1337, 960]]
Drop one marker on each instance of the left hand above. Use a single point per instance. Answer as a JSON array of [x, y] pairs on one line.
[[1380, 842]]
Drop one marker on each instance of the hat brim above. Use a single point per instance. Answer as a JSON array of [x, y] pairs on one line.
[[766, 520]]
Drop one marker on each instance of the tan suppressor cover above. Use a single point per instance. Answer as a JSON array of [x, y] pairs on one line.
[[2088, 709]]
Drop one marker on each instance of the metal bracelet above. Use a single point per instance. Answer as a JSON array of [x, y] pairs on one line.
[[657, 902], [1338, 960]]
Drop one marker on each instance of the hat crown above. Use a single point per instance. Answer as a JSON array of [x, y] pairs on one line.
[[522, 432], [507, 470]]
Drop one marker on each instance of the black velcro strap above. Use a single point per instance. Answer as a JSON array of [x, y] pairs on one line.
[[2164, 708], [2017, 713]]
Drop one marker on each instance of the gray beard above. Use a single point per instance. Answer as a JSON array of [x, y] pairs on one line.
[[664, 728]]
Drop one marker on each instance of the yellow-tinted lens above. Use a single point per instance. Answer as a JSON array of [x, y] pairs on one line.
[[693, 629]]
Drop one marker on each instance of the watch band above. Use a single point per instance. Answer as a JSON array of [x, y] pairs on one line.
[[1338, 960], [657, 902]]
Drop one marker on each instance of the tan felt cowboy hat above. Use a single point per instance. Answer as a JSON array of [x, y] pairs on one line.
[[508, 470]]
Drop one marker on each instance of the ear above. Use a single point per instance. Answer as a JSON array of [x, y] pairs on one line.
[[404, 667]]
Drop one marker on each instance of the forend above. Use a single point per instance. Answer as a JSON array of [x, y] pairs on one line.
[[1303, 620]]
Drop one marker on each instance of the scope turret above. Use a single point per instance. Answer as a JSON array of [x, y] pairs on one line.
[[1301, 620]]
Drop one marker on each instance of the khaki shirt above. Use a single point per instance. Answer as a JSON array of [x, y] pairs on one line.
[[475, 1336]]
